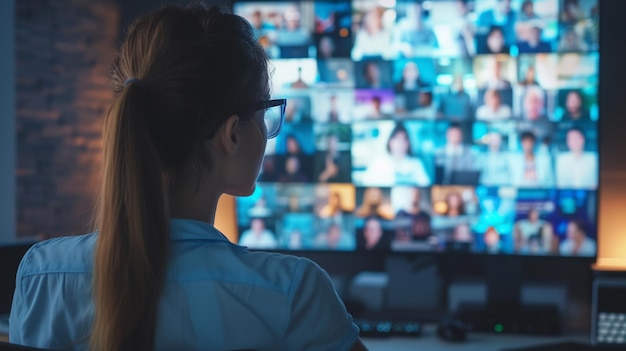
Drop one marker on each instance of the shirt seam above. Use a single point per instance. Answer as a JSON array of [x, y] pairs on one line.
[[184, 280], [297, 278], [26, 275]]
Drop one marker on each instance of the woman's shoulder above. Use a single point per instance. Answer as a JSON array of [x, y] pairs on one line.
[[70, 253], [278, 261]]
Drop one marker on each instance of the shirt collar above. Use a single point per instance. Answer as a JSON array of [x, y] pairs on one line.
[[188, 229]]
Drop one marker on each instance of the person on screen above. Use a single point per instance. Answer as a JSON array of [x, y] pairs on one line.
[[397, 166], [333, 208], [577, 243], [372, 40], [576, 168], [407, 202], [375, 108], [336, 165], [571, 41], [493, 109], [373, 236], [372, 75], [292, 145], [534, 43], [571, 12], [533, 104], [495, 169], [295, 204], [409, 87], [410, 79], [294, 241], [413, 35], [501, 15], [333, 109], [326, 47], [534, 116], [259, 26], [260, 209], [375, 205], [336, 239], [257, 237], [495, 43], [425, 107], [456, 104], [293, 171], [293, 111], [533, 228], [402, 230], [492, 240], [454, 155], [291, 34], [172, 144], [494, 78], [455, 206], [530, 77], [464, 30], [575, 107], [462, 233], [299, 83], [462, 238], [529, 168], [526, 18]]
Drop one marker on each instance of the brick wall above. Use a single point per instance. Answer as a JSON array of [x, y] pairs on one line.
[[63, 52]]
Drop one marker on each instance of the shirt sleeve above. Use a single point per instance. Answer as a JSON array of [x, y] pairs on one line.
[[318, 318]]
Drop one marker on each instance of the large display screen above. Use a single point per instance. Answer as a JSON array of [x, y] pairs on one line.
[[467, 126]]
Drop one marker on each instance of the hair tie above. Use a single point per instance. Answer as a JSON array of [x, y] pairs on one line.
[[131, 81]]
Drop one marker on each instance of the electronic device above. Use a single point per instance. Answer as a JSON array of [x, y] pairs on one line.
[[386, 328], [403, 140], [609, 312], [429, 141], [451, 329], [561, 346]]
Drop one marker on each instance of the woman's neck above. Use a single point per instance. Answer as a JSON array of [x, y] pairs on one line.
[[192, 199]]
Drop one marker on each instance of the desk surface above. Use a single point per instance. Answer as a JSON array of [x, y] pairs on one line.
[[474, 342]]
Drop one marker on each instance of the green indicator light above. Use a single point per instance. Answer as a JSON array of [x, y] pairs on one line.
[[499, 328]]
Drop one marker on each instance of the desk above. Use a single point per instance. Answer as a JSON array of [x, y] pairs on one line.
[[430, 342], [474, 342]]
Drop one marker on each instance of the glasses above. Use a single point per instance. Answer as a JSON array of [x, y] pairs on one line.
[[274, 115]]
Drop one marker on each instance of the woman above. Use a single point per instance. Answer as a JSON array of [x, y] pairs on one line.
[[411, 79], [495, 42], [375, 205], [575, 109], [189, 121], [455, 206], [372, 40], [372, 236], [397, 166], [529, 78]]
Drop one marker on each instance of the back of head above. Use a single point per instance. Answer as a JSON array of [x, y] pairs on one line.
[[181, 72]]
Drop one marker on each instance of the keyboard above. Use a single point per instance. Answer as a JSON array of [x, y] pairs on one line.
[[612, 328], [385, 328]]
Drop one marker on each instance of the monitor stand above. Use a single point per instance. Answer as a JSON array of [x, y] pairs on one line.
[[504, 311]]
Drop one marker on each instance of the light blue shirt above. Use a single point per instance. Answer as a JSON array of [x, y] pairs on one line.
[[217, 296]]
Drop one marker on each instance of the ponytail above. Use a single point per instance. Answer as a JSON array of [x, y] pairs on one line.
[[197, 66], [131, 251]]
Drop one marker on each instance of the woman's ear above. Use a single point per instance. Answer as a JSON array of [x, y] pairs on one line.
[[228, 137]]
